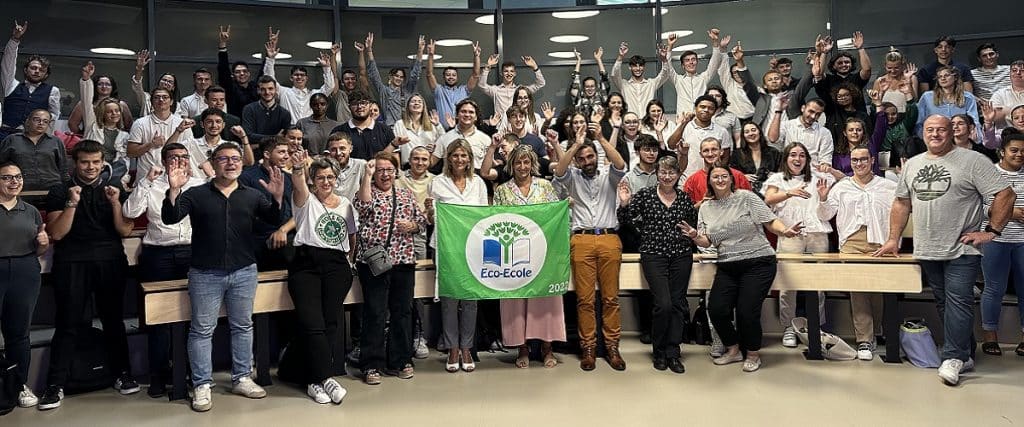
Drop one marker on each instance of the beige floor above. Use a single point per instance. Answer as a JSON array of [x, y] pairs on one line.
[[787, 391]]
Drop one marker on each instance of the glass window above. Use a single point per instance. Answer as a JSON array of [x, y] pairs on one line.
[[82, 25], [66, 72], [431, 4]]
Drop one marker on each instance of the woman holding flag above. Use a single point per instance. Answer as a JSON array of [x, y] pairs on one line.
[[457, 185], [535, 318]]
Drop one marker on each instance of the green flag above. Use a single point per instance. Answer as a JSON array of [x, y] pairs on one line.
[[493, 252]]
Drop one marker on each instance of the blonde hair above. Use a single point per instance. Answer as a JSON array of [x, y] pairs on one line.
[[101, 111], [957, 96], [460, 143], [407, 119]]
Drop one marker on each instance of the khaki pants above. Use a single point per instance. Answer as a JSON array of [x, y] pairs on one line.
[[595, 264], [810, 242], [865, 305]]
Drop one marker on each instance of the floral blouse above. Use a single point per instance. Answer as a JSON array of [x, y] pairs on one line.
[[656, 222], [541, 191], [375, 218]]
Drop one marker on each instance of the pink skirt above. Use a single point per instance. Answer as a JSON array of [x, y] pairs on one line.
[[533, 318]]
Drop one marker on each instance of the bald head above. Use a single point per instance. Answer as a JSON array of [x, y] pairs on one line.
[[938, 134]]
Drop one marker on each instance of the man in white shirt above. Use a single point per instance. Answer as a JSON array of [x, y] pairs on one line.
[[350, 170], [166, 251], [213, 121], [194, 104], [695, 131], [20, 98], [807, 131], [990, 76], [465, 128], [502, 93], [150, 133], [692, 84], [638, 90], [861, 205], [1006, 99], [295, 99]]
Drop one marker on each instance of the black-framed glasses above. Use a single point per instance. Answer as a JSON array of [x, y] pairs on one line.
[[16, 178], [228, 159]]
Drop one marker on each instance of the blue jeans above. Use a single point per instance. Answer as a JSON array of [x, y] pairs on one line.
[[999, 260], [952, 282], [206, 290]]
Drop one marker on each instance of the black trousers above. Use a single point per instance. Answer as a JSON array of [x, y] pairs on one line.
[[390, 293], [73, 283], [741, 286], [667, 276], [318, 281], [158, 263], [19, 290]]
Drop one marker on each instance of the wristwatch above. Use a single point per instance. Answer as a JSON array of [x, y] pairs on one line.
[[989, 229], [69, 204]]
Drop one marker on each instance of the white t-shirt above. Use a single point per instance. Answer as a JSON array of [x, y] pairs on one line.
[[322, 227]]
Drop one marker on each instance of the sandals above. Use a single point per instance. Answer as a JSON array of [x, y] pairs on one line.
[[1020, 349], [467, 362], [449, 365], [549, 360], [523, 359], [991, 348]]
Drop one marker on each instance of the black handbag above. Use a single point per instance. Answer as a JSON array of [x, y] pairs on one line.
[[376, 257], [10, 385]]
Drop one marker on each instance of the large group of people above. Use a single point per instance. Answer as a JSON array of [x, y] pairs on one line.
[[246, 174]]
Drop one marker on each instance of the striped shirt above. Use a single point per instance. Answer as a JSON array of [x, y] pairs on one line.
[[734, 226], [987, 82], [1013, 232]]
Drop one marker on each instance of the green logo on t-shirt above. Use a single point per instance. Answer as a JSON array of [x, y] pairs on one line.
[[331, 228], [931, 182]]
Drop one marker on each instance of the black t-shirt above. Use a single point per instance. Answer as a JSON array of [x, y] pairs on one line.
[[367, 142], [93, 236]]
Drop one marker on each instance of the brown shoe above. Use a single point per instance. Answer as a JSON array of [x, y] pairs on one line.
[[614, 358], [587, 359]]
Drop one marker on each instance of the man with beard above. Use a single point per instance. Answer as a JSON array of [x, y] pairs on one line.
[[266, 117], [843, 70], [451, 92], [691, 84], [21, 98], [692, 133], [944, 48], [236, 78], [807, 131], [86, 221], [596, 250], [194, 104], [368, 136], [223, 264], [216, 97], [638, 90], [151, 132]]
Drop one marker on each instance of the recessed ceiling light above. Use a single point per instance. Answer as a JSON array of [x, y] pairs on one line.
[[320, 44], [112, 51], [485, 19], [436, 57], [691, 46], [280, 55], [844, 44], [569, 38], [453, 42], [575, 15], [664, 10], [562, 54], [679, 33]]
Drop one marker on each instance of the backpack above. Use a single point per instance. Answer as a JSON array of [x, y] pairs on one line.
[[699, 330], [89, 370], [10, 386]]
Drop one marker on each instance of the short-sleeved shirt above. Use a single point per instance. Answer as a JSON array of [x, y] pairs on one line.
[[445, 98], [1007, 98], [19, 226], [1013, 232], [946, 194], [798, 209], [735, 226], [350, 178], [693, 134], [987, 82], [637, 179], [927, 73], [478, 142], [696, 186], [815, 137], [322, 227], [143, 131], [595, 198], [367, 142], [92, 236]]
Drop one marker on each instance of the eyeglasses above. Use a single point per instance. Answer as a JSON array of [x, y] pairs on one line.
[[16, 178], [860, 160], [325, 178], [161, 97], [38, 120], [668, 173], [178, 157], [359, 104], [386, 171], [338, 150], [228, 159]]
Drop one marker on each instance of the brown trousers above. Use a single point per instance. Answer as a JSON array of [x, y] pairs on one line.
[[865, 305], [595, 265]]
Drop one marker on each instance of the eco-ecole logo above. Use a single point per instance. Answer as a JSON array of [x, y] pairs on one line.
[[506, 251]]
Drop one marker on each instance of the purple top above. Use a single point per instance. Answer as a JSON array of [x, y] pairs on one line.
[[841, 162]]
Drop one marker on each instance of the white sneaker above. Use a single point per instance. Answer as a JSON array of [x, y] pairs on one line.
[[26, 398], [789, 337], [950, 371], [420, 347], [717, 348], [334, 390], [245, 387], [865, 351], [202, 400], [317, 393], [968, 365]]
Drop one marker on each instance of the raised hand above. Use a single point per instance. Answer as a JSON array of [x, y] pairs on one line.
[[551, 136], [186, 124], [223, 35], [528, 60], [449, 120], [672, 39], [74, 194], [724, 42], [495, 119], [155, 172], [359, 46], [401, 140], [238, 131], [492, 60], [663, 52], [431, 48], [420, 44], [773, 62], [661, 124], [158, 141], [579, 57], [272, 36], [371, 168], [713, 36], [623, 192], [823, 189], [598, 54], [335, 49], [737, 52], [369, 41], [876, 95], [909, 71], [19, 30], [623, 49], [113, 194], [178, 175], [87, 70], [324, 60], [682, 119], [476, 49], [276, 185], [987, 112], [858, 40], [547, 110], [596, 115], [142, 59], [434, 118], [687, 230], [299, 157], [271, 48]]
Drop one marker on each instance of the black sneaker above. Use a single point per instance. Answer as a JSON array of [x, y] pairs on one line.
[[125, 384], [157, 387], [51, 398], [645, 337]]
